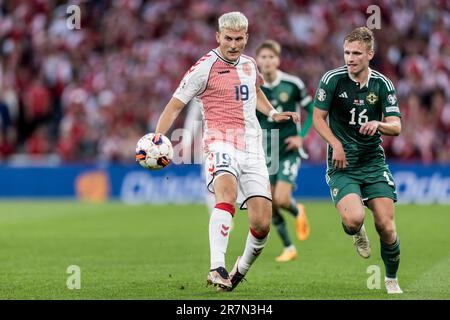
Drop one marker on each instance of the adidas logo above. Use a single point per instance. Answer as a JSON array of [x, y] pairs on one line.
[[343, 95]]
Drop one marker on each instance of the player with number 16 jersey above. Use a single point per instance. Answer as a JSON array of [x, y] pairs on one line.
[[360, 105], [349, 107]]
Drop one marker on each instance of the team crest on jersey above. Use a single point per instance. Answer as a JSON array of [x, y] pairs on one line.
[[247, 69], [283, 96], [321, 95], [335, 192], [392, 99], [372, 98]]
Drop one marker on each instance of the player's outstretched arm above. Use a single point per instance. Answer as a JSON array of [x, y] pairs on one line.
[[391, 126], [322, 128], [263, 105], [168, 116]]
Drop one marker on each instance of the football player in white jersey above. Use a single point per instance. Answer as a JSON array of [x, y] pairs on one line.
[[226, 84]]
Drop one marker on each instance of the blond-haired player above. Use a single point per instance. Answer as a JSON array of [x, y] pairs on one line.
[[361, 105], [226, 84]]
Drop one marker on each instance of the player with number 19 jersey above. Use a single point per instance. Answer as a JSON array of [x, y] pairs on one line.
[[232, 137]]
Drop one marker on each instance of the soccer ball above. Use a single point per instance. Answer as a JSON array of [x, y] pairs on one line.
[[154, 151]]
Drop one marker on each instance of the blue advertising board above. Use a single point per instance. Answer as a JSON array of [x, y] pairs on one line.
[[184, 183]]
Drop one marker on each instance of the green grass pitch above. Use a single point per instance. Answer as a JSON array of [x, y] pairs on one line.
[[162, 252]]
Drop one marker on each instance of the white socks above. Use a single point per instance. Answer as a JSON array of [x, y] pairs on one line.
[[219, 232], [255, 243]]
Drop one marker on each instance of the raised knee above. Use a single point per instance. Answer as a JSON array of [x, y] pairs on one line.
[[353, 224]]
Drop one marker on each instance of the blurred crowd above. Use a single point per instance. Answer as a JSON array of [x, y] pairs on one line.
[[89, 94]]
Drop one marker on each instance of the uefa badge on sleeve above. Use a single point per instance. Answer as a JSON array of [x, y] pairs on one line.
[[321, 95], [392, 99]]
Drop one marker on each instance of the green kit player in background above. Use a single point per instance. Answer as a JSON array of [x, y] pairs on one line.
[[361, 105], [286, 93]]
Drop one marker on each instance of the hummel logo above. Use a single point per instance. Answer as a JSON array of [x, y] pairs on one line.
[[224, 230], [343, 95], [256, 252], [222, 72]]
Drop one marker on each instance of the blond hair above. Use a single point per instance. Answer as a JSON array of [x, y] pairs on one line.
[[235, 21], [363, 34], [271, 45]]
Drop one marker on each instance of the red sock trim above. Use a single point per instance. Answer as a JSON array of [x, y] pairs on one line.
[[226, 207], [258, 235]]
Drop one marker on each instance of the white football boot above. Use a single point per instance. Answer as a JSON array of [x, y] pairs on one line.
[[392, 286], [362, 243]]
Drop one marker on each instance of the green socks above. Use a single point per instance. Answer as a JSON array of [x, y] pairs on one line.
[[391, 257], [293, 209], [280, 224]]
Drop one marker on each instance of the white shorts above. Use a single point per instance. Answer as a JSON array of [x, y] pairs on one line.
[[249, 169]]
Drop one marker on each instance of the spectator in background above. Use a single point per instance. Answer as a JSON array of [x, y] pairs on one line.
[[6, 147]]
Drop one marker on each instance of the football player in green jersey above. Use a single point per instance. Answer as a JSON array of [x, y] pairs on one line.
[[361, 105], [285, 92]]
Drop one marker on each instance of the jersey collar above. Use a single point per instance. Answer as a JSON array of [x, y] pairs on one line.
[[275, 82], [368, 78], [217, 52]]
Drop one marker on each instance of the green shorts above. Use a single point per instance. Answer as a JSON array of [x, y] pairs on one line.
[[289, 164], [377, 184]]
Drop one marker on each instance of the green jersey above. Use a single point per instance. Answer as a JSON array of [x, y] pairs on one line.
[[286, 93], [350, 106]]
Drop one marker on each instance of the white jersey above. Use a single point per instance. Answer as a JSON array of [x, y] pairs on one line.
[[226, 93]]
